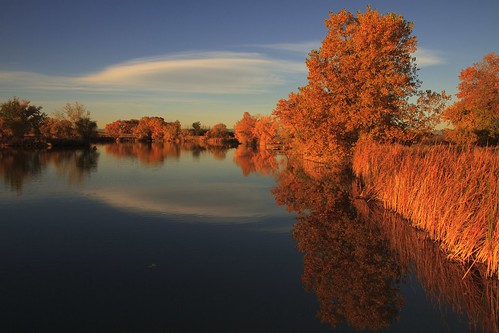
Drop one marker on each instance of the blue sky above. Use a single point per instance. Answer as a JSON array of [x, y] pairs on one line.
[[208, 61]]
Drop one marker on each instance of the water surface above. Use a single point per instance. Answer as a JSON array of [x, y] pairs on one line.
[[141, 238]]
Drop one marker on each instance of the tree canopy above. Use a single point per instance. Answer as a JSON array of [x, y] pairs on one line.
[[359, 84], [475, 116], [18, 118]]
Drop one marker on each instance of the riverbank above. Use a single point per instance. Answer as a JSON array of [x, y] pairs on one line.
[[450, 192]]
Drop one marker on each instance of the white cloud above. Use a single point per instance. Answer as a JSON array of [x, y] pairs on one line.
[[201, 72], [207, 73], [427, 57]]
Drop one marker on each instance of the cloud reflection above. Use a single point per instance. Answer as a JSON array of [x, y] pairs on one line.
[[233, 203]]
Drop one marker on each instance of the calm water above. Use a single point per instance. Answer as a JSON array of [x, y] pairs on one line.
[[135, 238]]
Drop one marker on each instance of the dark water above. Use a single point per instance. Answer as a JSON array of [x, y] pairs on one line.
[[134, 238]]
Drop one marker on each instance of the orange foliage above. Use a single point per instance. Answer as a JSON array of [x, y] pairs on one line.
[[476, 115], [243, 130], [146, 129], [120, 128], [256, 130], [359, 84]]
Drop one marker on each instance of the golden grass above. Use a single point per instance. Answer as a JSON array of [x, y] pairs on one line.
[[450, 192], [467, 291]]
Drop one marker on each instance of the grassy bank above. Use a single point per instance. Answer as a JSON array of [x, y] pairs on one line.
[[452, 193]]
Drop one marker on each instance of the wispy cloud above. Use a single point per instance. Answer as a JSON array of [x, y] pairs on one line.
[[202, 72], [426, 57], [209, 72]]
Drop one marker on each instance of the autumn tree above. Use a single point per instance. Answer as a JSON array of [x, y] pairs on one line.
[[359, 84], [56, 128], [265, 130], [255, 130], [73, 121], [475, 116], [121, 128], [243, 130], [219, 131], [149, 128], [172, 131], [18, 118]]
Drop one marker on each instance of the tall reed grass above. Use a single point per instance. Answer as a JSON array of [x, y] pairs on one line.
[[469, 293], [450, 192]]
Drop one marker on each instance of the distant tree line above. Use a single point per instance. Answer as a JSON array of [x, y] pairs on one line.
[[24, 123], [156, 129]]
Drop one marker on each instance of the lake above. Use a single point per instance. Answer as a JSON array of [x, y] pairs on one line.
[[166, 238]]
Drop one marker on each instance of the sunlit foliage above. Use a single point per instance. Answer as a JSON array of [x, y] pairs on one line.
[[121, 128], [476, 115], [256, 130], [243, 130], [359, 84]]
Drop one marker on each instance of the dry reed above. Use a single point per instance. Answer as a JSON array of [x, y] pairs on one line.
[[450, 192], [475, 295]]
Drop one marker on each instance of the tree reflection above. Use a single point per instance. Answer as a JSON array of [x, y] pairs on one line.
[[18, 167], [346, 262], [255, 161], [147, 153], [21, 166], [155, 154]]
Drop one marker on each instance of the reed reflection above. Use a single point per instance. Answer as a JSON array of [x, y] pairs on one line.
[[346, 263], [19, 167], [466, 290]]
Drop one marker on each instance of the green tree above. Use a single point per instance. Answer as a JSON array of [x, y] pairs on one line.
[[86, 128], [197, 128], [18, 118]]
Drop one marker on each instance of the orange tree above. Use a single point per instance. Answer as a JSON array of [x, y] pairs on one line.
[[243, 130], [359, 84], [255, 130], [475, 116], [119, 128]]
